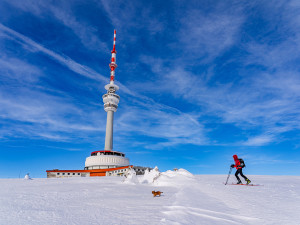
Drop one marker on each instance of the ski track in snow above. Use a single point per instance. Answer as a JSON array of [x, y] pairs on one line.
[[206, 216], [106, 200]]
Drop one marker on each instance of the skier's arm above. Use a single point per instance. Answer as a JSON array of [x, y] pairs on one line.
[[237, 164]]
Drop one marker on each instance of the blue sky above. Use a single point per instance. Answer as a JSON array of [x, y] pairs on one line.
[[199, 81]]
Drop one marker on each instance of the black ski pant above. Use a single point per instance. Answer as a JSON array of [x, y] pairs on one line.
[[240, 171]]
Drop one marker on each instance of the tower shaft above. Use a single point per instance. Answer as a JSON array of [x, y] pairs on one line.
[[109, 131]]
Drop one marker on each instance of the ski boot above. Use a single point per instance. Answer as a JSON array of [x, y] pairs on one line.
[[248, 181], [239, 182]]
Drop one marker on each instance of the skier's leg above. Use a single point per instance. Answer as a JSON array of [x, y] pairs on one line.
[[237, 177], [241, 172], [246, 179]]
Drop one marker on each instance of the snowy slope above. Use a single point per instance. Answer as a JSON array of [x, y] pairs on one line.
[[187, 199]]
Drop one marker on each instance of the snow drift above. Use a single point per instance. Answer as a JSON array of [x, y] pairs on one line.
[[174, 178], [156, 178], [131, 177], [27, 177], [150, 176]]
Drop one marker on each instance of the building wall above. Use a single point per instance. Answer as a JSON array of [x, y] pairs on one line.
[[88, 173], [120, 172], [103, 161], [59, 174]]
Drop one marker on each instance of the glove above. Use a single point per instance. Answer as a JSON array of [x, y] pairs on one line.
[[232, 165]]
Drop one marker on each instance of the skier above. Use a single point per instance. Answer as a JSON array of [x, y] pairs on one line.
[[239, 164]]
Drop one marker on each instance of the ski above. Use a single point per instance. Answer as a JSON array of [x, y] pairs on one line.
[[245, 184]]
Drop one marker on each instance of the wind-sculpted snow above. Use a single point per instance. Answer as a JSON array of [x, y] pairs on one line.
[[150, 176], [174, 178], [186, 199], [156, 178], [131, 178], [27, 177]]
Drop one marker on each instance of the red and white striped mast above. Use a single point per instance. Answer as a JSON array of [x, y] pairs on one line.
[[111, 99], [113, 64]]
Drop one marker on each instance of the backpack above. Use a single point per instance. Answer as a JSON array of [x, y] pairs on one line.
[[242, 163]]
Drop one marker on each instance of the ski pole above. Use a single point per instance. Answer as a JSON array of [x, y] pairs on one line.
[[228, 175]]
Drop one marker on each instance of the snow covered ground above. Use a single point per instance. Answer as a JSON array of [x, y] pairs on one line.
[[186, 199]]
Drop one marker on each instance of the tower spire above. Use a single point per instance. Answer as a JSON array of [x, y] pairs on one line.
[[113, 64], [111, 99]]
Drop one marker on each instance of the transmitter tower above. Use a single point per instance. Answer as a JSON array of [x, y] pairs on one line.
[[111, 99]]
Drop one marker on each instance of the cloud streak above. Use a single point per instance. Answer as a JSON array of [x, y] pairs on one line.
[[63, 12], [64, 60]]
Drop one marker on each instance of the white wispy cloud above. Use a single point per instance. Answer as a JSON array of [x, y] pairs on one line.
[[46, 115], [204, 37], [266, 159], [62, 59], [172, 128], [259, 140], [64, 13], [265, 101], [268, 102], [124, 16], [30, 109], [17, 70]]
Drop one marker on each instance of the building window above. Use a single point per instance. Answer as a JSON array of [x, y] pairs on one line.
[[68, 173], [73, 173], [57, 173], [78, 173], [63, 173]]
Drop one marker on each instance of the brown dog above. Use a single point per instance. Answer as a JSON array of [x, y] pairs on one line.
[[156, 193]]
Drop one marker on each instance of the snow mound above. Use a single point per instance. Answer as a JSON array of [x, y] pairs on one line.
[[131, 177], [27, 177], [154, 177], [174, 178], [150, 176], [179, 172]]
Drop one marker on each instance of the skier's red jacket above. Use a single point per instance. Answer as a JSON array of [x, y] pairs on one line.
[[237, 162]]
